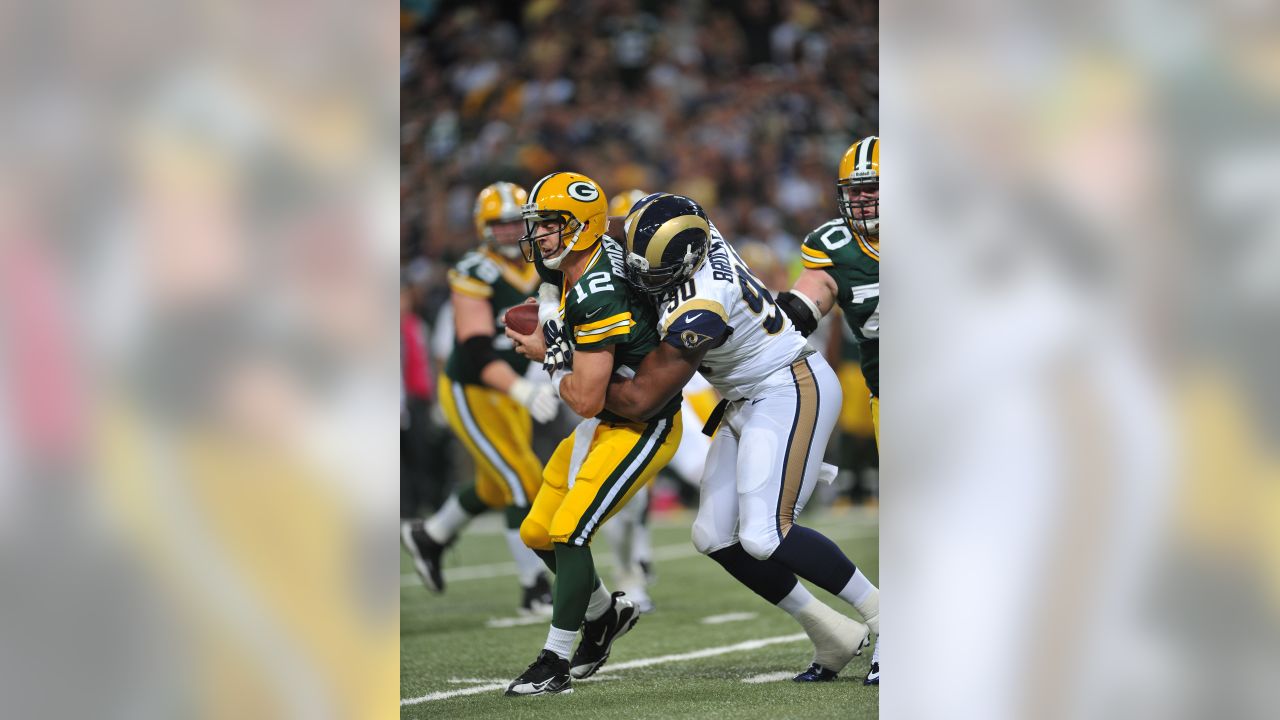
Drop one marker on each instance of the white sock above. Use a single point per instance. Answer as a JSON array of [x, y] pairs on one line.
[[863, 596], [448, 521], [560, 641], [796, 600], [528, 566], [601, 600]]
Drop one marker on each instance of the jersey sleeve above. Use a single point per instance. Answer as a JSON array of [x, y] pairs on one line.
[[603, 318], [821, 247], [474, 277], [696, 322]]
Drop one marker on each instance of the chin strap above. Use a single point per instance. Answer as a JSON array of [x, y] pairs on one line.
[[554, 263]]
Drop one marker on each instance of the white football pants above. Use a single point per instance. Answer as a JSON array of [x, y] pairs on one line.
[[765, 459]]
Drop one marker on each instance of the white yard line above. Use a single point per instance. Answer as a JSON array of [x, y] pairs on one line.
[[706, 652], [517, 621], [665, 552], [629, 665], [727, 617], [769, 677]]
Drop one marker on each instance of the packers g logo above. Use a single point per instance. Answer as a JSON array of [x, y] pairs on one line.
[[693, 339], [584, 191]]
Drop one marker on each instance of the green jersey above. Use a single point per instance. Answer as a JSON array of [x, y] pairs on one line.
[[601, 309], [854, 263], [485, 275]]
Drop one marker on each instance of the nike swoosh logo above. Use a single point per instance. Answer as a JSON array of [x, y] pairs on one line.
[[691, 317], [590, 314]]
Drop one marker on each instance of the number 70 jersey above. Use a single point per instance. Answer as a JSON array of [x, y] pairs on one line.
[[725, 306], [854, 265]]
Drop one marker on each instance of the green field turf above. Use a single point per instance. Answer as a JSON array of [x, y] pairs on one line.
[[445, 644]]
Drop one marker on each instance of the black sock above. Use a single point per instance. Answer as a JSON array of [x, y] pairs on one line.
[[769, 580], [812, 556]]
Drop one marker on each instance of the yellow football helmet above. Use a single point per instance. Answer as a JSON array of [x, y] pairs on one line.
[[572, 198], [858, 187], [622, 203], [499, 203]]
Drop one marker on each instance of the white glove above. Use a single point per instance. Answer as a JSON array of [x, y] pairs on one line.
[[539, 398], [828, 473]]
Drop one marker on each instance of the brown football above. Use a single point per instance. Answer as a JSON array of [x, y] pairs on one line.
[[522, 318]]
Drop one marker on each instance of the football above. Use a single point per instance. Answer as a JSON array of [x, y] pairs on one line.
[[522, 318]]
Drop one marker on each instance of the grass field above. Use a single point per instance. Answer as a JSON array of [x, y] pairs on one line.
[[453, 664]]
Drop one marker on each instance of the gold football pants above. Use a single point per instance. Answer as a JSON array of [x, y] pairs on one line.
[[583, 489], [498, 433]]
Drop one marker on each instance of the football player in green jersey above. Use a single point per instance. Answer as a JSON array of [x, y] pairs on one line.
[[594, 326], [842, 266]]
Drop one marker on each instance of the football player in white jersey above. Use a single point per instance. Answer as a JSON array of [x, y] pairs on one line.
[[781, 401]]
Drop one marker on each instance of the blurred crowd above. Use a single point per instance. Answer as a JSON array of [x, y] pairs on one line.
[[745, 107]]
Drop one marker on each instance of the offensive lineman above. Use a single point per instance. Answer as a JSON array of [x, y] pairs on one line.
[[780, 404], [842, 265], [600, 328], [488, 402]]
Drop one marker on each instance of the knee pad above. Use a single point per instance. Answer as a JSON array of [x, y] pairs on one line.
[[758, 546], [706, 541], [534, 536]]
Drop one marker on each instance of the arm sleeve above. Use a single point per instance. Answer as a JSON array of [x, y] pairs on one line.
[[813, 255]]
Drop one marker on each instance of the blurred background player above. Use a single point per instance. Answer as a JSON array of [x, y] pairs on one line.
[[842, 266], [488, 403], [597, 328]]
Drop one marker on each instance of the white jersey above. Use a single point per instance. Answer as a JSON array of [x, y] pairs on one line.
[[753, 342]]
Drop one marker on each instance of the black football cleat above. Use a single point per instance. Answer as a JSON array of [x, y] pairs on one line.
[[599, 635], [548, 675], [816, 673], [537, 599], [426, 554]]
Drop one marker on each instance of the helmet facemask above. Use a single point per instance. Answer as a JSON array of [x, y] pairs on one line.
[[655, 281], [862, 214], [529, 243]]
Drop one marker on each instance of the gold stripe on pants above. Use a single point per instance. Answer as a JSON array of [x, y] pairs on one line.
[[802, 429]]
